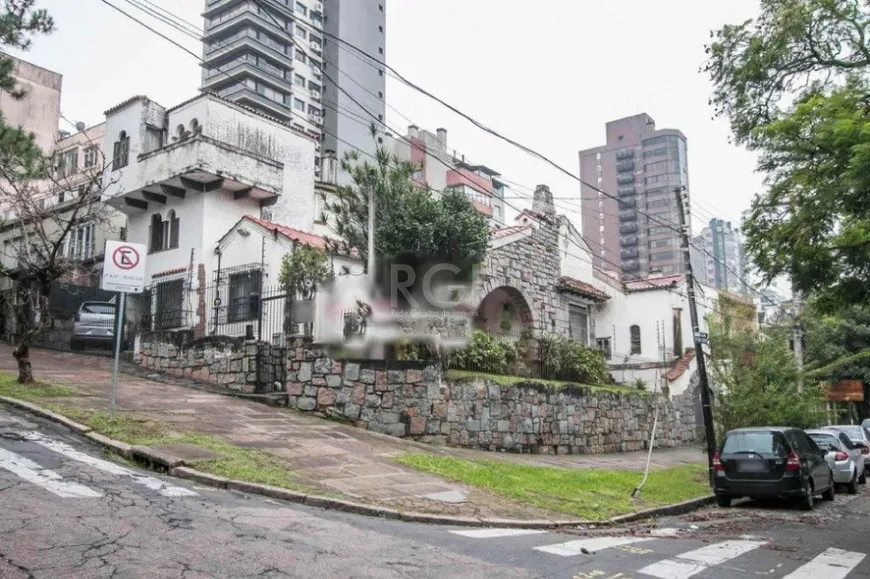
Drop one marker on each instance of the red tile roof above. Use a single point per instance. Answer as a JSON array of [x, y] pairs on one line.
[[680, 366], [662, 282], [172, 271], [499, 232], [569, 284], [294, 234]]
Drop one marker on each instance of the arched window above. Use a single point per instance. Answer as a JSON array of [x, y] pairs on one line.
[[156, 233], [194, 126], [179, 132], [121, 154], [171, 224], [635, 339]]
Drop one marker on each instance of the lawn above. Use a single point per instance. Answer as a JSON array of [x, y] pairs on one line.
[[504, 380], [9, 386], [591, 494]]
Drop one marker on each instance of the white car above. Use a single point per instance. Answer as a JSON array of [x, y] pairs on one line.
[[858, 436], [844, 458]]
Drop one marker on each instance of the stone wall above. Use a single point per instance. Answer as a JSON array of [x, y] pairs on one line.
[[414, 399], [227, 362]]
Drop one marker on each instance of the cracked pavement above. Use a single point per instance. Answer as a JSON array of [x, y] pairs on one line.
[[134, 530]]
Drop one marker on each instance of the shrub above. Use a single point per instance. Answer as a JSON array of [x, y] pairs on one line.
[[565, 359], [485, 353]]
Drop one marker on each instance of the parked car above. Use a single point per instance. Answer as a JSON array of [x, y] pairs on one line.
[[858, 435], [94, 325], [844, 458], [771, 462], [865, 423]]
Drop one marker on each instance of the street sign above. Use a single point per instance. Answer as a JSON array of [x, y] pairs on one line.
[[124, 267], [701, 337]]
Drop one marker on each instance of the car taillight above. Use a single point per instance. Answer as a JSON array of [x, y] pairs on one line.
[[841, 456], [717, 463], [794, 462]]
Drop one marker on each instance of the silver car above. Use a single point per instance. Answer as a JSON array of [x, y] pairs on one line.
[[859, 436], [94, 325], [844, 458]]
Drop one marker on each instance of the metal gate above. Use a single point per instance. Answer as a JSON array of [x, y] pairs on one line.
[[272, 340]]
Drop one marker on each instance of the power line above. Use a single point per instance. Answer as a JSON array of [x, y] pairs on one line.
[[165, 19]]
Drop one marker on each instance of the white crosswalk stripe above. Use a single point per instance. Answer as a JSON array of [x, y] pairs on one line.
[[149, 482], [832, 564], [494, 533], [572, 548], [47, 479], [694, 562]]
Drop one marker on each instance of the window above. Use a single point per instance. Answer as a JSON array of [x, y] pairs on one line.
[[496, 211], [678, 331], [299, 104], [380, 28], [68, 162], [169, 305], [763, 443], [244, 296], [578, 323], [300, 56], [301, 8], [635, 339], [299, 80], [659, 230], [171, 236], [156, 233], [91, 156], [381, 7], [380, 95], [164, 233], [604, 345], [380, 50], [380, 73], [80, 242], [662, 256], [121, 152], [300, 32]]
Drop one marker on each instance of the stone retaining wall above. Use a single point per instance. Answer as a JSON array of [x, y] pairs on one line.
[[415, 399], [228, 362]]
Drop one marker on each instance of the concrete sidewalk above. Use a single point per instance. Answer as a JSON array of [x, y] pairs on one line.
[[323, 454]]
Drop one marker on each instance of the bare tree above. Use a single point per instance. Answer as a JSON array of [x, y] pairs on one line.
[[40, 250]]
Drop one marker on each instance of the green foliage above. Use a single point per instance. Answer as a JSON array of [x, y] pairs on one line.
[[640, 384], [486, 353], [584, 364], [756, 382], [304, 268], [411, 223], [837, 345], [793, 84]]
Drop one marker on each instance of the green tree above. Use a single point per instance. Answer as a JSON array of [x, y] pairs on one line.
[[412, 224], [756, 381], [301, 272], [793, 84]]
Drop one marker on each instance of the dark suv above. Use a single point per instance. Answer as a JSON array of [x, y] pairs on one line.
[[771, 462]]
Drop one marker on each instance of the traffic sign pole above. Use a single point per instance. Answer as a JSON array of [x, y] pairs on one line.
[[118, 331]]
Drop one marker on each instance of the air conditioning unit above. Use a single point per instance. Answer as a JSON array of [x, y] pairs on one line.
[[315, 96], [317, 7], [316, 119]]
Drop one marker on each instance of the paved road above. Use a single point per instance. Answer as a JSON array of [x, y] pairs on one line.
[[68, 511]]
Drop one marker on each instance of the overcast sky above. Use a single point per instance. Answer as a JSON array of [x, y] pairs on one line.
[[548, 73]]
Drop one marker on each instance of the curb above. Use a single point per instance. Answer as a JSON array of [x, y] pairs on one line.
[[176, 467]]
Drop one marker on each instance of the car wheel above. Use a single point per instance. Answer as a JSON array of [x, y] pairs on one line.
[[829, 494], [852, 487], [723, 501], [862, 479], [808, 502]]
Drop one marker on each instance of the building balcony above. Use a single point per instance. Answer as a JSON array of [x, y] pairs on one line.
[[240, 42], [213, 7], [626, 228], [624, 166], [628, 203], [629, 253], [626, 153], [246, 18], [217, 79], [315, 119], [628, 241], [196, 164], [248, 97], [628, 215], [625, 178], [317, 7], [626, 190]]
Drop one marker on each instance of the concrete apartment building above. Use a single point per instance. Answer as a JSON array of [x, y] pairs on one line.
[[273, 61], [39, 110], [641, 166], [724, 260]]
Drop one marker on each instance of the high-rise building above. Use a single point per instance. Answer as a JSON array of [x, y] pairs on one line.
[[273, 56], [724, 259], [635, 234]]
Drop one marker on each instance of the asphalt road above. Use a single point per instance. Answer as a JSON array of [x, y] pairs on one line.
[[66, 511]]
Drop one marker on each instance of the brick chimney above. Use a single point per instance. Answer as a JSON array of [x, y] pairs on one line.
[[542, 202]]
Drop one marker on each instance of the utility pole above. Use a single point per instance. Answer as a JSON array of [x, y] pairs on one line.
[[706, 408]]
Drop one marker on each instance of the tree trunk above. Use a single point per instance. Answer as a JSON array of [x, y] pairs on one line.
[[25, 370]]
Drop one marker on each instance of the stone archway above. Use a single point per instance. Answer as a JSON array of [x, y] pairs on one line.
[[504, 311]]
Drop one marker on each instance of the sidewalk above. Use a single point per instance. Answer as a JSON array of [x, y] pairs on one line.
[[322, 454]]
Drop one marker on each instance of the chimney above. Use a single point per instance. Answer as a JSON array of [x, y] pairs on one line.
[[329, 164], [413, 131], [542, 202], [442, 137]]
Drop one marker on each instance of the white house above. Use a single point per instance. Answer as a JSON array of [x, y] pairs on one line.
[[187, 175]]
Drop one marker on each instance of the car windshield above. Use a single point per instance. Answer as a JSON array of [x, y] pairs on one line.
[[761, 442], [107, 309], [853, 432], [826, 442]]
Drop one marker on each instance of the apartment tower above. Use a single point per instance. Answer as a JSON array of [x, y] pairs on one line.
[[632, 222]]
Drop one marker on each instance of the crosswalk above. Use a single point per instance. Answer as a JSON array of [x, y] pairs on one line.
[[707, 558], [51, 481]]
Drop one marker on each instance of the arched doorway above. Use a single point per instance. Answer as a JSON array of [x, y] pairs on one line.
[[504, 312]]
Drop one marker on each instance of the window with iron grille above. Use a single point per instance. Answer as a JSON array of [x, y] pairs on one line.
[[604, 345], [121, 153], [635, 339], [244, 296], [169, 305], [578, 321]]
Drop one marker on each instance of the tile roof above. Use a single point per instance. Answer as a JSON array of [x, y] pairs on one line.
[[680, 366], [569, 284], [654, 283], [125, 103], [499, 232], [173, 271], [296, 235]]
